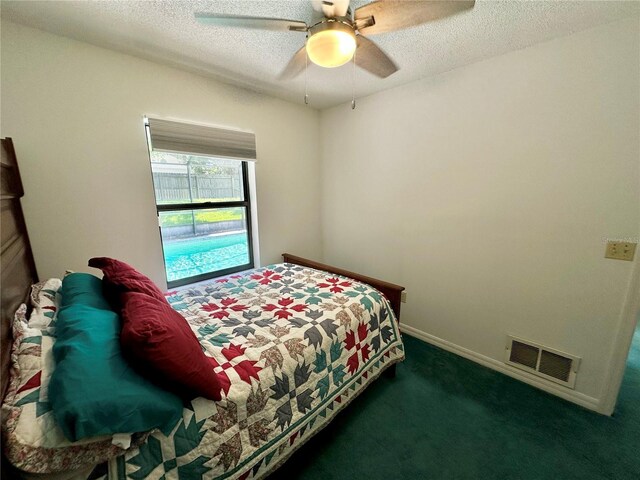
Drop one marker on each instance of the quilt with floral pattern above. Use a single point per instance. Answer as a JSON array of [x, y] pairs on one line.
[[291, 346]]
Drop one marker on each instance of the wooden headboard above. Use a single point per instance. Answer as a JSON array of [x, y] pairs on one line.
[[16, 260]]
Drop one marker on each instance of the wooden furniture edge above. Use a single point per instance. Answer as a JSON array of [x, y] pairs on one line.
[[17, 267], [392, 291]]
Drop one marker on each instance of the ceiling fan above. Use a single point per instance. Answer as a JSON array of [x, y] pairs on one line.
[[341, 34]]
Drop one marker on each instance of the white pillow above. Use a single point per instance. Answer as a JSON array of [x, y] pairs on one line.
[[45, 299]]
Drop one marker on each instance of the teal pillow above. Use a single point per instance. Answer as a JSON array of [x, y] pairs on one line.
[[93, 391], [84, 289]]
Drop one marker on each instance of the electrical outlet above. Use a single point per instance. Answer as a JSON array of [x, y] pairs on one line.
[[403, 296], [620, 250]]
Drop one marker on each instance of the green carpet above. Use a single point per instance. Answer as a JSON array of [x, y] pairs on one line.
[[444, 417]]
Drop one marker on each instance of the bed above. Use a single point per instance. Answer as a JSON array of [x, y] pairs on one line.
[[292, 344]]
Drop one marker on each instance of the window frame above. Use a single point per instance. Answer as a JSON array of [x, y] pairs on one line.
[[246, 203]]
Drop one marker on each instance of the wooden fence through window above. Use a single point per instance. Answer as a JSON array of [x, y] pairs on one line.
[[174, 187]]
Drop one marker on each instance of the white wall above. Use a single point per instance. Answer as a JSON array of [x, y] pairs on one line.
[[75, 114], [487, 191]]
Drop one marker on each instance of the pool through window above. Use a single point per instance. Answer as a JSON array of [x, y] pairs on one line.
[[200, 179]]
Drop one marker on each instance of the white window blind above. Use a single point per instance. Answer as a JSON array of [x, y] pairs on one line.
[[171, 136]]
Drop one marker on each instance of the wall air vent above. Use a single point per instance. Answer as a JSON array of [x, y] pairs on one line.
[[542, 361]]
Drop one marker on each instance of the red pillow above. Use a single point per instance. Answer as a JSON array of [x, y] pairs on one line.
[[120, 277], [159, 341]]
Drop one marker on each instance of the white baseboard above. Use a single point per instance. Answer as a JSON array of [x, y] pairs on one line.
[[571, 395]]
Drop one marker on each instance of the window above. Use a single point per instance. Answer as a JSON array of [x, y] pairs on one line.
[[203, 202]]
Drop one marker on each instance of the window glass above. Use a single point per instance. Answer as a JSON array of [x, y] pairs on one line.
[[199, 239], [198, 242], [179, 178]]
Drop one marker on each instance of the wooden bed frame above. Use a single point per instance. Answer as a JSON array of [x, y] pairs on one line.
[[19, 270], [16, 263], [392, 291]]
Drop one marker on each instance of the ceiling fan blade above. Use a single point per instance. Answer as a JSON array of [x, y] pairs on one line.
[[295, 66], [371, 58], [262, 23], [391, 15]]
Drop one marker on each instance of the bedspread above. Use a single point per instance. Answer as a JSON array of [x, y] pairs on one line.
[[291, 347]]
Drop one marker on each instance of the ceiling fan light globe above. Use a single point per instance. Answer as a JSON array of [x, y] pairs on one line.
[[331, 48]]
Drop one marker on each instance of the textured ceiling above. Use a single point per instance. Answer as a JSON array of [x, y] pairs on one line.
[[166, 31]]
